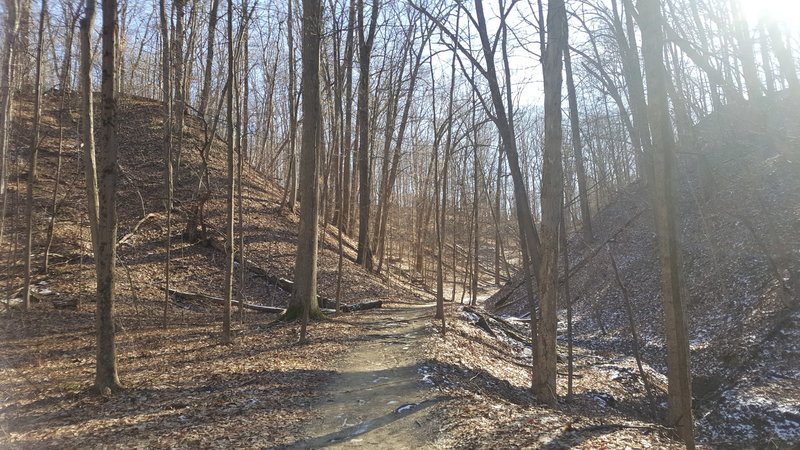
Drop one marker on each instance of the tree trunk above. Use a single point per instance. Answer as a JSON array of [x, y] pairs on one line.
[[347, 132], [552, 203], [231, 185], [180, 94], [577, 147], [106, 377], [366, 41], [290, 190], [87, 119], [212, 32], [679, 396], [34, 155], [166, 79], [6, 91], [305, 294]]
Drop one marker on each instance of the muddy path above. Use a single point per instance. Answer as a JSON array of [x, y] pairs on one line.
[[378, 398]]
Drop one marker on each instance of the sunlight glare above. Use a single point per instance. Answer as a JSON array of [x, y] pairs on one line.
[[786, 11]]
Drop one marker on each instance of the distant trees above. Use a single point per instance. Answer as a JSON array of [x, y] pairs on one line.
[[391, 109]]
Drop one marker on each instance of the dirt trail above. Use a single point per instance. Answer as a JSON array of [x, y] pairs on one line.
[[377, 399]]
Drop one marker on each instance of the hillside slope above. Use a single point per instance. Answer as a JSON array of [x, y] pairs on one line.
[[739, 203], [269, 231], [183, 388]]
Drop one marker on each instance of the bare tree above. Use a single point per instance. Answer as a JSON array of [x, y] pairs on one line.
[[166, 70], [87, 118], [33, 157], [305, 295], [290, 190], [106, 378], [6, 92], [213, 18], [551, 202], [679, 395], [229, 206], [577, 147], [366, 39]]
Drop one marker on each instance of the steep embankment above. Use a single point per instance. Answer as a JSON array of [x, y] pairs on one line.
[[739, 203], [183, 388], [269, 231]]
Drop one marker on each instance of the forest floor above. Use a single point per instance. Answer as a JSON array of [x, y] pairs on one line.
[[383, 378]]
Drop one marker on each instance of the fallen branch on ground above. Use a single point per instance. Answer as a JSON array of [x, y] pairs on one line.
[[485, 318], [362, 306], [221, 301], [283, 284], [127, 237]]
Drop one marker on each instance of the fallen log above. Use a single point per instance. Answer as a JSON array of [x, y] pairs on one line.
[[485, 318], [283, 284], [221, 301], [362, 306]]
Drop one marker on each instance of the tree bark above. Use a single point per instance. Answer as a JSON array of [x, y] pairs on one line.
[[305, 294], [679, 396], [552, 203], [6, 91], [213, 18], [290, 190], [231, 185], [366, 39], [166, 78], [577, 147], [33, 157], [106, 378], [87, 119]]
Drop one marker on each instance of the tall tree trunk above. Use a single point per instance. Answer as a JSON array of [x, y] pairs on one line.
[[106, 378], [6, 91], [166, 80], [305, 295], [497, 237], [347, 132], [290, 190], [34, 155], [213, 18], [87, 119], [229, 206], [577, 147], [64, 83], [180, 94], [567, 296], [633, 75], [475, 204], [679, 395], [366, 39], [552, 203]]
